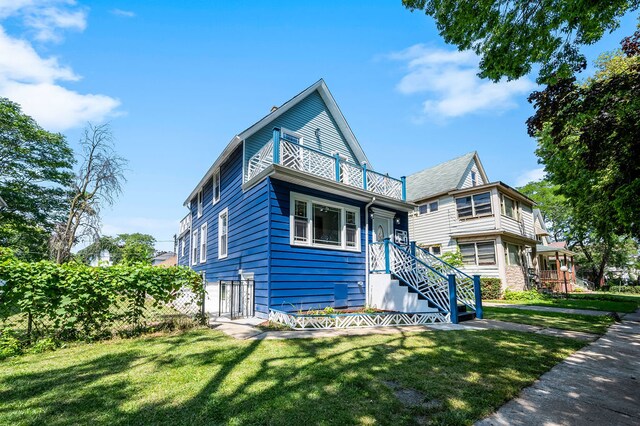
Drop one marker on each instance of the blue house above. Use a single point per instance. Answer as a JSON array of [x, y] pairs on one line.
[[293, 206]]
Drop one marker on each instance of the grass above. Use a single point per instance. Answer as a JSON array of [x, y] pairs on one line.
[[203, 377], [586, 323], [592, 301]]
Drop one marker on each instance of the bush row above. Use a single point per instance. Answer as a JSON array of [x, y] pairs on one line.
[[625, 289], [491, 288], [75, 301]]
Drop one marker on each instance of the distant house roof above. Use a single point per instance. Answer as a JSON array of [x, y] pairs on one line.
[[164, 258], [558, 246], [442, 178], [333, 108]]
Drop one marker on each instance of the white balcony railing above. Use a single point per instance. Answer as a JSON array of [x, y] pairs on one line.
[[185, 224], [331, 167]]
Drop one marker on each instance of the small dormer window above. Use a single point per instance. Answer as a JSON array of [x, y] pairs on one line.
[[290, 136], [200, 203], [216, 186], [473, 178]]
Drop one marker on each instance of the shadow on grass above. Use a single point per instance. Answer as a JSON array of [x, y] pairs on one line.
[[204, 378]]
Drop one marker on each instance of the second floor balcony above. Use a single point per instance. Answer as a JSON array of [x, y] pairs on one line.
[[331, 167]]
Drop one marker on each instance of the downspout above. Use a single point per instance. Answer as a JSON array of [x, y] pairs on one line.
[[366, 251]]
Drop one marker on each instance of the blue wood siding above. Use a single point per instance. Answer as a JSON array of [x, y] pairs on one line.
[[184, 260], [308, 277], [308, 115], [248, 229]]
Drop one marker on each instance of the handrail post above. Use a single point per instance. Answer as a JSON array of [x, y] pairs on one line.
[[276, 145], [404, 188], [477, 291], [412, 247], [364, 176], [337, 158], [453, 299], [387, 262]]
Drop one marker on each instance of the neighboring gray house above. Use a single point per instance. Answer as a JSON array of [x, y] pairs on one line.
[[2, 203], [489, 222]]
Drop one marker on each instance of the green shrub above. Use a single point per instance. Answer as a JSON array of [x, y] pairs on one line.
[[522, 295], [76, 301], [625, 289], [491, 288], [9, 344]]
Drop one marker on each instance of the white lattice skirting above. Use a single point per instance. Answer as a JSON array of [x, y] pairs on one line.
[[382, 319]]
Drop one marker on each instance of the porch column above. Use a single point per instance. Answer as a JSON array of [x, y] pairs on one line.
[[453, 299], [567, 265], [477, 290], [276, 145], [557, 283]]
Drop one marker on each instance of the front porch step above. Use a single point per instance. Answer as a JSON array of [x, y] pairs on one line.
[[466, 316]]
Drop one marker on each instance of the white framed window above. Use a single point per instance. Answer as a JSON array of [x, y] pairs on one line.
[[183, 242], [474, 205], [316, 222], [435, 250], [429, 207], [223, 233], [203, 242], [291, 136], [474, 180], [200, 203], [480, 253], [194, 247], [216, 186]]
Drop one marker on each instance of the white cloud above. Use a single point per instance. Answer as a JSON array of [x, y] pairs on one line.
[[123, 13], [449, 79], [34, 81], [530, 176]]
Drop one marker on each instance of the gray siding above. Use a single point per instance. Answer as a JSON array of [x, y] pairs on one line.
[[467, 179]]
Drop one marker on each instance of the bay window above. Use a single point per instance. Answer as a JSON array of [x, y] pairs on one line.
[[322, 223]]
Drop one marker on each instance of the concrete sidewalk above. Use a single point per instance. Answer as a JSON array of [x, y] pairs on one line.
[[589, 312], [598, 385]]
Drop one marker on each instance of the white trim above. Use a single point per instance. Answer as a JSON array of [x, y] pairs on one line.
[[204, 230], [213, 189], [293, 196], [224, 212]]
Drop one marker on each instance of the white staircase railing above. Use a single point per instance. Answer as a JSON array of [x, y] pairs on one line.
[[260, 161], [390, 258], [464, 283]]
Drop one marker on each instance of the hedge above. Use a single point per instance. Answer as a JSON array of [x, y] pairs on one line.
[[491, 288], [625, 289], [75, 301]]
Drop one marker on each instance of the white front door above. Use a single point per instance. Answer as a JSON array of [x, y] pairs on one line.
[[382, 228]]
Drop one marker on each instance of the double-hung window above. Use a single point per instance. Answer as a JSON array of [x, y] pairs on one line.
[[223, 233], [321, 223], [194, 247], [183, 242], [474, 205], [480, 253], [513, 254], [509, 207], [203, 242], [200, 203], [216, 186]]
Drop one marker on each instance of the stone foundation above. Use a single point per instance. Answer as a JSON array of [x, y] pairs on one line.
[[516, 278]]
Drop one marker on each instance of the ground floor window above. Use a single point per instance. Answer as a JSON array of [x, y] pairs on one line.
[[513, 254], [317, 222], [478, 253], [223, 233]]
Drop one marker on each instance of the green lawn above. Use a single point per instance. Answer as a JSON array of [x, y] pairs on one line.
[[598, 302], [203, 377], [586, 323]]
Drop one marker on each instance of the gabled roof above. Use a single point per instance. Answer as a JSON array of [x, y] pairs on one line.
[[538, 223], [443, 177], [329, 101]]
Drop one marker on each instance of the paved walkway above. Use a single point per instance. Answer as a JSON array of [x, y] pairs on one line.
[[246, 329], [598, 385], [589, 312]]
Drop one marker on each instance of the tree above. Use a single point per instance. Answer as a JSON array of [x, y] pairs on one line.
[[511, 36], [553, 207], [124, 249], [97, 183], [589, 141], [35, 171]]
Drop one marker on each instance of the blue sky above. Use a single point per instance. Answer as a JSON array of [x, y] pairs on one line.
[[177, 80]]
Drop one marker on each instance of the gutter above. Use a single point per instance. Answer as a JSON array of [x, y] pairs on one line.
[[366, 251]]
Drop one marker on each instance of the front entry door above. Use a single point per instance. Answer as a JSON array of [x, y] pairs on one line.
[[381, 229]]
